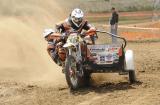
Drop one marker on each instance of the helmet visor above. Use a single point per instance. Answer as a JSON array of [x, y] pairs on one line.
[[77, 20]]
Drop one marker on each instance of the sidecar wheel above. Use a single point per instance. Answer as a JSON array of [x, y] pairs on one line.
[[132, 76], [129, 66]]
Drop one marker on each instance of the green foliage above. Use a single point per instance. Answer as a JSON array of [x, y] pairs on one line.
[[120, 5]]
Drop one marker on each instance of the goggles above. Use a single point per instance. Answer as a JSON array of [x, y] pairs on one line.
[[77, 20]]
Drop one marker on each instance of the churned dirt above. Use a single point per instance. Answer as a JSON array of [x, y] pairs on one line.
[[29, 77], [110, 89]]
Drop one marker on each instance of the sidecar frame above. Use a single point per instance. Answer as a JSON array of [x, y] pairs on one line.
[[124, 65]]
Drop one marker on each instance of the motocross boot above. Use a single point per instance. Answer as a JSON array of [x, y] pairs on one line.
[[55, 57], [58, 61]]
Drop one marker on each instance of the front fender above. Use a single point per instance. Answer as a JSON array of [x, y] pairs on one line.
[[129, 59], [68, 45]]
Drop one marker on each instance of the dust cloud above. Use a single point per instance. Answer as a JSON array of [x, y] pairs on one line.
[[23, 55]]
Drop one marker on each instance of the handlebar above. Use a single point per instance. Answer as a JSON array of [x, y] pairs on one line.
[[125, 42], [100, 31]]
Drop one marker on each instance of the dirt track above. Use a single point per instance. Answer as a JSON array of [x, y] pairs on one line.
[[29, 77], [115, 91]]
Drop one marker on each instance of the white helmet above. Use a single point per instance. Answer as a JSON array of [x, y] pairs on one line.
[[47, 32], [77, 16]]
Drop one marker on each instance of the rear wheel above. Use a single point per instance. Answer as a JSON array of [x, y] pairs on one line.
[[73, 74]]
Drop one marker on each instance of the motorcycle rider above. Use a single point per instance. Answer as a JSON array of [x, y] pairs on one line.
[[49, 35], [75, 22]]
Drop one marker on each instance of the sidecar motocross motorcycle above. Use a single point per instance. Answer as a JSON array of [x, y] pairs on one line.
[[83, 58]]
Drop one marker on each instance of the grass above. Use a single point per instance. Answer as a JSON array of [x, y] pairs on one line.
[[121, 5]]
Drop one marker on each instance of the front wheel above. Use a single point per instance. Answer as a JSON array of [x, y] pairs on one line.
[[72, 73]]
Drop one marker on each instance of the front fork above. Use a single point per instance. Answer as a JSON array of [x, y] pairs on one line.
[[76, 53]]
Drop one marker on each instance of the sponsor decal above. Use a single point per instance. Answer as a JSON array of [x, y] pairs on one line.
[[102, 58], [104, 54], [93, 54], [97, 49], [109, 57], [115, 56], [113, 49]]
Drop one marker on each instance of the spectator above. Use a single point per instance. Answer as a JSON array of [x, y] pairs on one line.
[[114, 24]]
